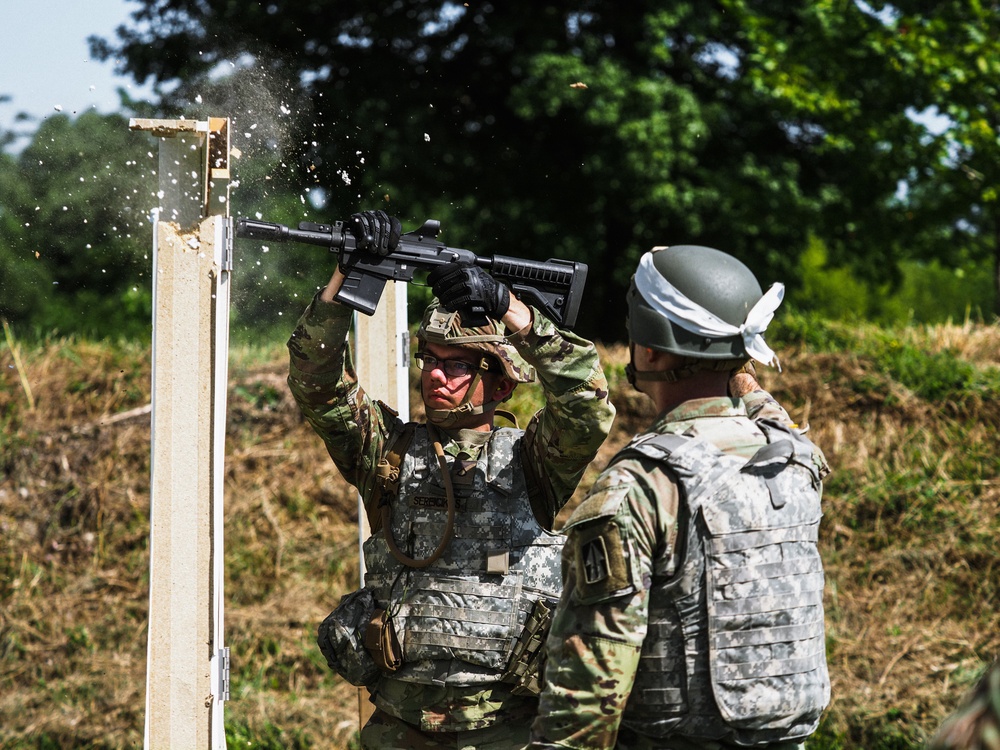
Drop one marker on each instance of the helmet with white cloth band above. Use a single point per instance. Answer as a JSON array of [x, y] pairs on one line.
[[701, 304]]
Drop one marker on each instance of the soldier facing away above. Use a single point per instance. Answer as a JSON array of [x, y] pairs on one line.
[[462, 566], [692, 613]]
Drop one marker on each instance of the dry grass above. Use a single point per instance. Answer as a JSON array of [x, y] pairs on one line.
[[909, 542]]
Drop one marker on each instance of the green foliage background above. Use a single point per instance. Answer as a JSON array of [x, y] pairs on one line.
[[849, 149]]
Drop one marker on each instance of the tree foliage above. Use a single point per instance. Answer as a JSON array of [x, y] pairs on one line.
[[594, 129], [899, 106], [74, 228]]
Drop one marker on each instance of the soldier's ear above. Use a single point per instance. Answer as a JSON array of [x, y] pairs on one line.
[[504, 387]]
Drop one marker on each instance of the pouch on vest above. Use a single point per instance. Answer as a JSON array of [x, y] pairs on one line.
[[382, 643], [340, 639], [524, 668], [386, 486]]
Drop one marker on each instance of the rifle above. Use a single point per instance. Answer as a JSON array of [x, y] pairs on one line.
[[554, 286]]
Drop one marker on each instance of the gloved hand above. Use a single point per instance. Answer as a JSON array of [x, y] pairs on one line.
[[469, 288], [375, 231]]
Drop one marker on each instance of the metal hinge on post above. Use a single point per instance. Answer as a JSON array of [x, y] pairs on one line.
[[404, 348], [227, 244], [224, 673]]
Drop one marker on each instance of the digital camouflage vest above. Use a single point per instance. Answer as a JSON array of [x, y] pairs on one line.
[[458, 619], [735, 649]]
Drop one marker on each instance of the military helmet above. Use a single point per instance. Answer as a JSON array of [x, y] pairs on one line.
[[443, 327], [710, 278]]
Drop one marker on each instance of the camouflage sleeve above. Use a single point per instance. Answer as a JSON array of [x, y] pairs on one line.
[[564, 436], [322, 379], [975, 724], [614, 539], [762, 405]]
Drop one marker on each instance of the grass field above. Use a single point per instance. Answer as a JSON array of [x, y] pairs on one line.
[[908, 420]]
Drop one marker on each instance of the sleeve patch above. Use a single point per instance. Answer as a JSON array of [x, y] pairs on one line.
[[602, 571], [594, 555]]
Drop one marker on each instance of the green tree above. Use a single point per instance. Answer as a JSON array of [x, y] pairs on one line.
[[594, 129], [74, 228], [23, 279], [904, 95], [956, 57]]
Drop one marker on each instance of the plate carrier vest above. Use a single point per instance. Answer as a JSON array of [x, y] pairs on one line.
[[459, 619], [735, 649]]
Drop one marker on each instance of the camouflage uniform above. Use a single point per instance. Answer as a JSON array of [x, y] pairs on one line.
[[599, 631], [557, 446], [975, 725]]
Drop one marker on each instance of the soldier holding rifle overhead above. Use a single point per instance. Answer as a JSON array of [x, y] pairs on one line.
[[462, 565]]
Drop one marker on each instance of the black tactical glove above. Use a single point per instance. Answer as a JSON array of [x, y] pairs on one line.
[[375, 231], [469, 289]]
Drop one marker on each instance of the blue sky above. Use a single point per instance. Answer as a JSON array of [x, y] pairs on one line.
[[45, 62]]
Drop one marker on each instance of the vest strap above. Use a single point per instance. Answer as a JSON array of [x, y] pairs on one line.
[[449, 524]]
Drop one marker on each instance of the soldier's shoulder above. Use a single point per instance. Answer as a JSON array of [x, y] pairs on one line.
[[616, 490]]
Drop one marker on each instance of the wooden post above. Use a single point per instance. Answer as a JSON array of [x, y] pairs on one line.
[[382, 351], [187, 666]]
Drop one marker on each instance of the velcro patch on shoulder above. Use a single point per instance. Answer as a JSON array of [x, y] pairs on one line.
[[598, 537], [604, 499], [602, 571]]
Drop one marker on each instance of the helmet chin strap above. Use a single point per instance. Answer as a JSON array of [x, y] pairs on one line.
[[633, 375], [446, 418], [687, 370], [671, 376]]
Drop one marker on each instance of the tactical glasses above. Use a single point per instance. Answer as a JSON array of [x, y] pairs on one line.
[[453, 368]]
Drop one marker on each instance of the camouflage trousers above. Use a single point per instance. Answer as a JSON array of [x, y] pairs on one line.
[[385, 732], [629, 740]]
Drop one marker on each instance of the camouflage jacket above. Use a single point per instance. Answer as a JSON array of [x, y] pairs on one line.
[[596, 641], [975, 724], [559, 443]]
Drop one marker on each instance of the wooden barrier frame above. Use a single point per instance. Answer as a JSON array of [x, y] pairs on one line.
[[187, 665], [382, 351]]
